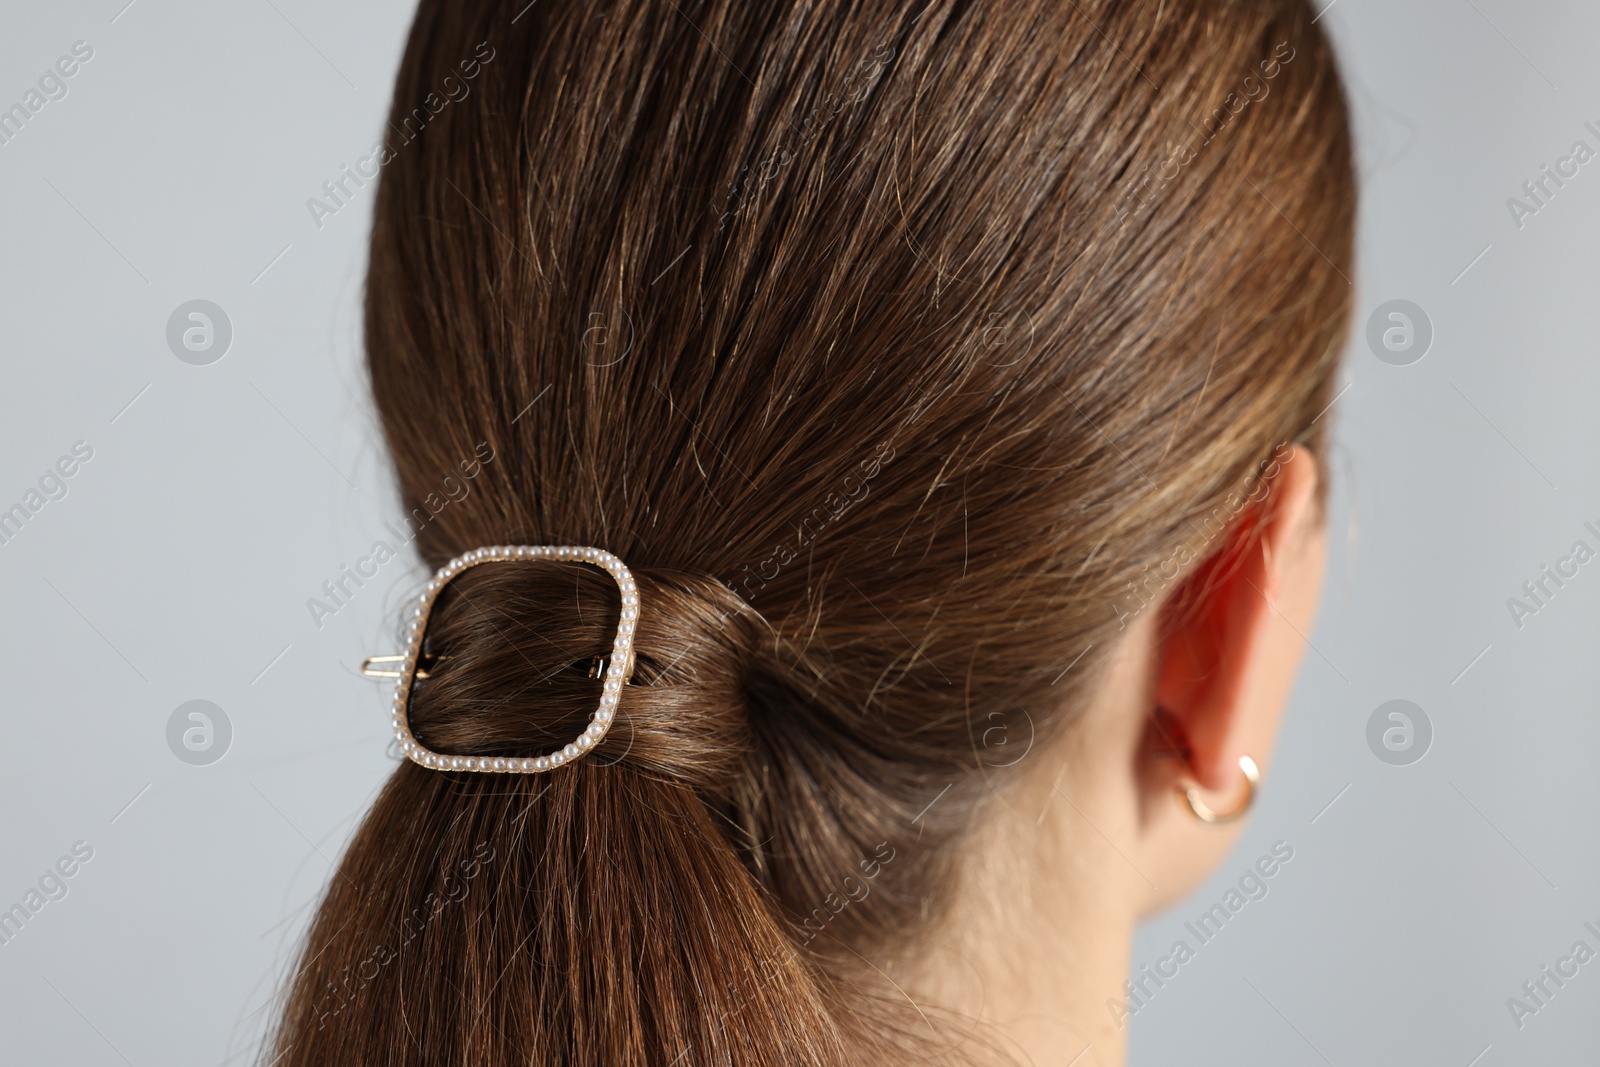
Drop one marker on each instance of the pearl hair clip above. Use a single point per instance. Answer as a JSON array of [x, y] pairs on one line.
[[618, 670]]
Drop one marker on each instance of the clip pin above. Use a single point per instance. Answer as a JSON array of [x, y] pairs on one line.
[[372, 672], [597, 666]]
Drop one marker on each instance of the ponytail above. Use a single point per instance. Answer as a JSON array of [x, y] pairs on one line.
[[607, 921], [597, 914]]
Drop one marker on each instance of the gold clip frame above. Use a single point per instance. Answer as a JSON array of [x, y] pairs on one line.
[[616, 667]]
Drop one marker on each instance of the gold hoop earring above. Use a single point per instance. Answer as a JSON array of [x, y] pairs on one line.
[[1252, 776]]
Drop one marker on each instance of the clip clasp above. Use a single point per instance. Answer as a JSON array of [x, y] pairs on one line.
[[370, 671]]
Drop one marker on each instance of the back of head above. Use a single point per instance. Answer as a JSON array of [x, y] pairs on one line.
[[890, 345]]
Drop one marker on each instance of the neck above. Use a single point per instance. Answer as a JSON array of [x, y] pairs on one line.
[[1035, 948]]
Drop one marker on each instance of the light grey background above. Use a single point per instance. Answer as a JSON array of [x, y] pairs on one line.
[[220, 497]]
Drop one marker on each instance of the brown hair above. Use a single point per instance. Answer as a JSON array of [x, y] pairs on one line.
[[891, 345]]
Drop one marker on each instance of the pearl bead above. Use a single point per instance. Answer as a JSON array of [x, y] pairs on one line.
[[584, 741], [571, 751], [603, 715], [596, 731], [541, 763], [557, 758]]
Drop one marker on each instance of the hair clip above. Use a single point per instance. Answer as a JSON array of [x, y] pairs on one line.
[[617, 667], [597, 666]]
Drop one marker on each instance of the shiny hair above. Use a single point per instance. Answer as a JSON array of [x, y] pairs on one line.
[[892, 346]]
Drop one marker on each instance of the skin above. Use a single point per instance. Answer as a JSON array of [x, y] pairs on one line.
[[1094, 836]]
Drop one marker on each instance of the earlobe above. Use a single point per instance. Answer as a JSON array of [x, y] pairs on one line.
[[1229, 640], [1207, 814]]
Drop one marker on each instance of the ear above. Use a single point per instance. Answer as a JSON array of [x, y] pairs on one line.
[[1232, 635]]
